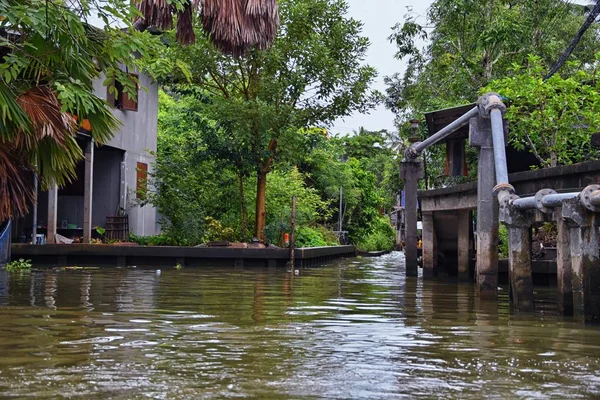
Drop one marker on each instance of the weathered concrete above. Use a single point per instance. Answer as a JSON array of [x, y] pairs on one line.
[[52, 214], [563, 265], [519, 255], [114, 255], [411, 172], [88, 187], [585, 259], [480, 136], [567, 178], [430, 255], [464, 244]]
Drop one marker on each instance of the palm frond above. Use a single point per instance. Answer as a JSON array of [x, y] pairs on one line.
[[51, 143], [16, 186], [235, 26]]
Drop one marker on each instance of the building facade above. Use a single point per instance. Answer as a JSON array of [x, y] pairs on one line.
[[112, 179]]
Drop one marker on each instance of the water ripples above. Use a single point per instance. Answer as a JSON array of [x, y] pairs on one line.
[[353, 329]]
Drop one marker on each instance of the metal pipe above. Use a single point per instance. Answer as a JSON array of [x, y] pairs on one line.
[[595, 198], [555, 200], [417, 148], [525, 203], [549, 201], [499, 147]]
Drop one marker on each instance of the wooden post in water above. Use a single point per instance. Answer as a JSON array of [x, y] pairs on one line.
[[293, 234]]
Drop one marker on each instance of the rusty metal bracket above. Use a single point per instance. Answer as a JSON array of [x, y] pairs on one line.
[[488, 102], [586, 197]]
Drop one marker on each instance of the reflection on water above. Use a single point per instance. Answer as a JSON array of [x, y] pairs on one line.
[[354, 329]]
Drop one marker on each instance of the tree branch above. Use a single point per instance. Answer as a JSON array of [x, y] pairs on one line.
[[567, 53]]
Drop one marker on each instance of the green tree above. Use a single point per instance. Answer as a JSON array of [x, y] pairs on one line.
[[312, 75], [471, 42], [553, 118]]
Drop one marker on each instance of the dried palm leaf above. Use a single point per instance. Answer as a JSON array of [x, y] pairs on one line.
[[185, 26], [158, 13], [16, 184], [235, 26], [47, 120]]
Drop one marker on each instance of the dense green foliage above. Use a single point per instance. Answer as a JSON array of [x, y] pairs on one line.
[[507, 46], [202, 195], [555, 118], [312, 75]]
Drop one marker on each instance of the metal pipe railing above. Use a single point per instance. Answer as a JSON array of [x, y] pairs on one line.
[[595, 198], [556, 200], [549, 201], [413, 151], [499, 147]]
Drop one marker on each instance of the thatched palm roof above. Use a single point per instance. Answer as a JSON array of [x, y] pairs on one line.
[[234, 26]]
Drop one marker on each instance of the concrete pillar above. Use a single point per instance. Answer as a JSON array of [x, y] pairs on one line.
[[87, 191], [430, 253], [411, 172], [519, 255], [584, 241], [464, 244], [480, 135], [52, 213], [563, 266]]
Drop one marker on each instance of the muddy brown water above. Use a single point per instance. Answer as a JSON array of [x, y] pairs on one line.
[[354, 329]]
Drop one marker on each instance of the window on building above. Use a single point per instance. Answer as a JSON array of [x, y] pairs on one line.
[[141, 187], [122, 100]]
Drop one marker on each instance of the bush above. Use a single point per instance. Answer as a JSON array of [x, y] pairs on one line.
[[502, 241], [317, 236], [18, 265], [158, 240], [380, 236]]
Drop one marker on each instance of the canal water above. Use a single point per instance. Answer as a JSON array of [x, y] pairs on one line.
[[355, 329]]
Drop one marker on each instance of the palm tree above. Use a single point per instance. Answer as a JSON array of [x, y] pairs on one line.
[[49, 58], [234, 26]]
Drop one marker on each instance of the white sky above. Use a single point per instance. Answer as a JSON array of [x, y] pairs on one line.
[[378, 17]]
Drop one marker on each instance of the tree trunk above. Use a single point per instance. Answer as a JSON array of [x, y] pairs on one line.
[[261, 191], [243, 213], [553, 159]]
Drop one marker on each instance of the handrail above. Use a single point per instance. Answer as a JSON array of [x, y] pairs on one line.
[[417, 148]]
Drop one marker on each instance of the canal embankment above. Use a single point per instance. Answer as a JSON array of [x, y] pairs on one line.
[[114, 255]]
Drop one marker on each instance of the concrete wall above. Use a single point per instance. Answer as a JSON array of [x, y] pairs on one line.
[[136, 137]]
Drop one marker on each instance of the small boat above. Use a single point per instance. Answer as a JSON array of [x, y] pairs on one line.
[[5, 242]]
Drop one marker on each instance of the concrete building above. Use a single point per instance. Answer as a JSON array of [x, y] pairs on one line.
[[111, 180]]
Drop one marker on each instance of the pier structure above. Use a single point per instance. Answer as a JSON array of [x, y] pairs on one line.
[[568, 195]]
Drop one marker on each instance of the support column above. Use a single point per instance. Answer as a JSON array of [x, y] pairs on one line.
[[480, 135], [411, 172], [52, 214], [464, 244], [430, 251], [585, 259], [87, 191], [563, 266], [519, 255]]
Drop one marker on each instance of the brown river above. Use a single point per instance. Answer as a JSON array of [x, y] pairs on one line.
[[354, 329]]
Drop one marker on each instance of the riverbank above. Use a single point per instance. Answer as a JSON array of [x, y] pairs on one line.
[[53, 255]]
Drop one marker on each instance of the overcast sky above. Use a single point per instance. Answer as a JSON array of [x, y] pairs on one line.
[[378, 17]]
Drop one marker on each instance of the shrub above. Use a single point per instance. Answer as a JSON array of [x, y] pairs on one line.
[[380, 236], [18, 265]]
